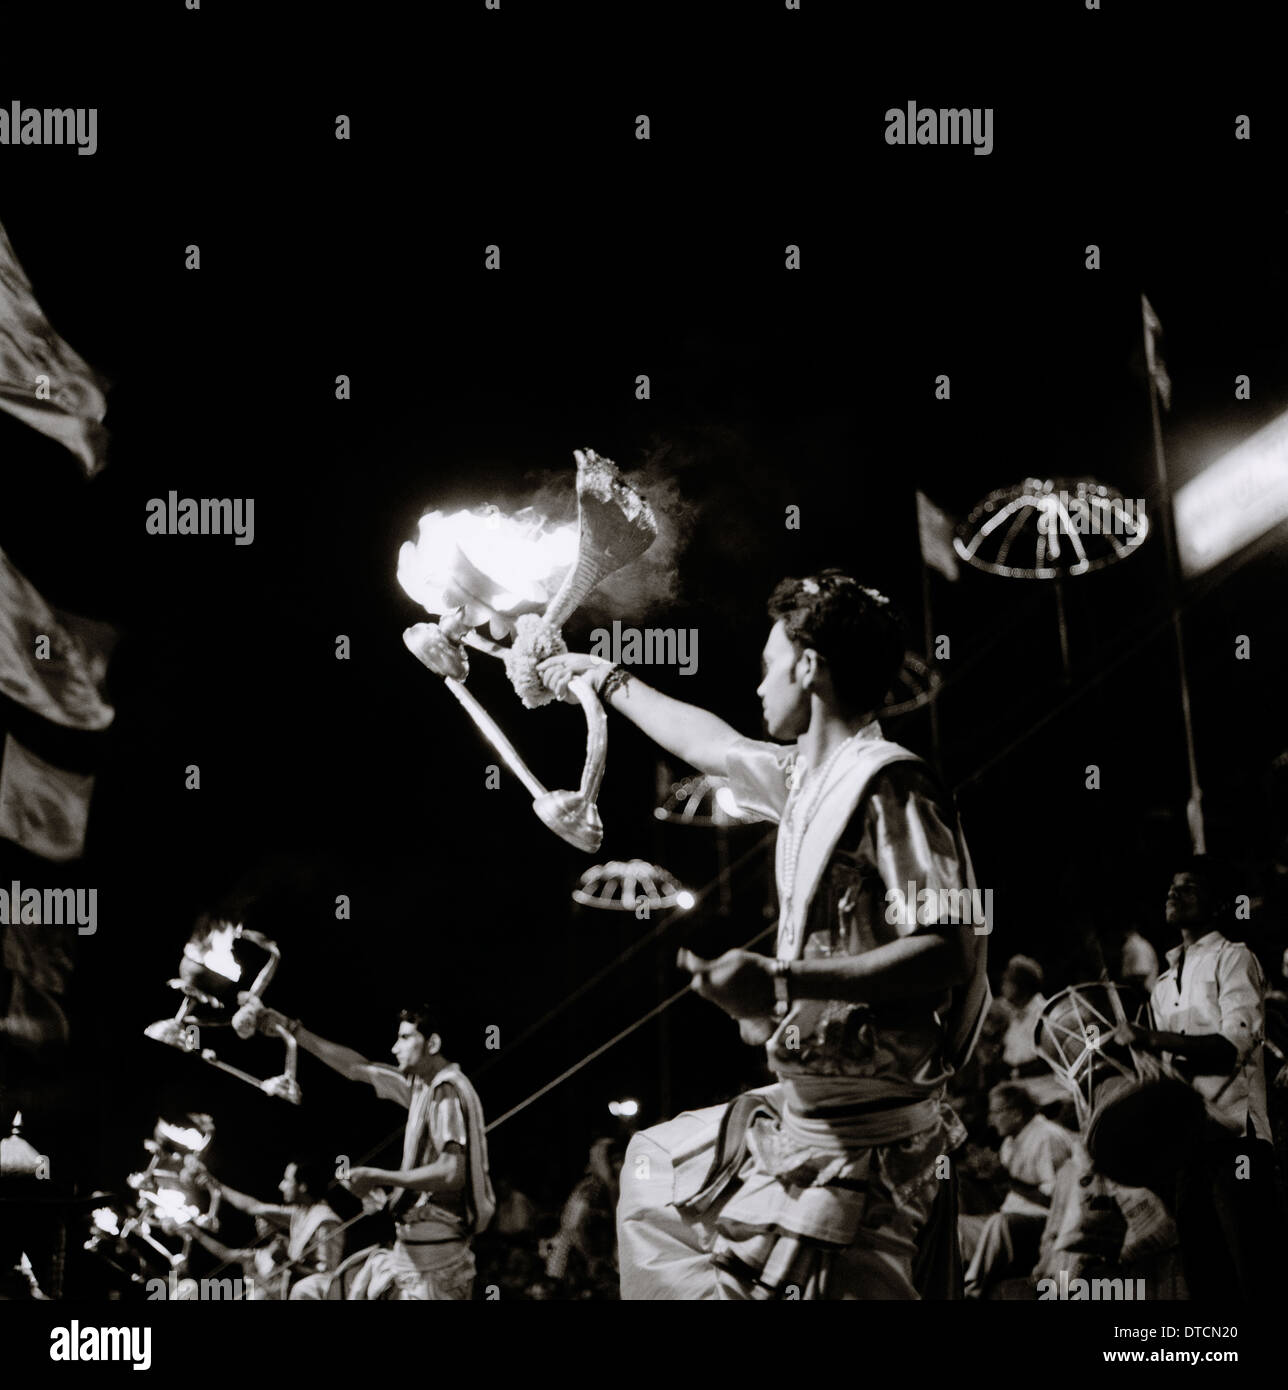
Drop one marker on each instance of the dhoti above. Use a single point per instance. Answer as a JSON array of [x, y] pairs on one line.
[[755, 1200], [426, 1264]]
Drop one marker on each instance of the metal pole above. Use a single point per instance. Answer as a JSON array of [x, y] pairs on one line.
[[1194, 808], [1063, 624]]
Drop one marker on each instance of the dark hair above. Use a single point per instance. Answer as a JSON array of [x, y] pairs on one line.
[[1213, 880], [312, 1175], [1014, 1098], [421, 1015], [1025, 970], [857, 631]]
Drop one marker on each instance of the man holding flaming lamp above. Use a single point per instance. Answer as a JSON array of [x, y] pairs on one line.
[[833, 1183]]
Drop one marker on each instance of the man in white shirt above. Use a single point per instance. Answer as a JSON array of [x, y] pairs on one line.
[[1209, 1015], [1033, 1151]]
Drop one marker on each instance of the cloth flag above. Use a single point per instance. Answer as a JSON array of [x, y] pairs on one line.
[[42, 380], [61, 677], [39, 964], [1153, 358], [43, 808], [935, 530]]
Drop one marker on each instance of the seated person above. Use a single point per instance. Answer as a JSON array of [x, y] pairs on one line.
[[1033, 1151]]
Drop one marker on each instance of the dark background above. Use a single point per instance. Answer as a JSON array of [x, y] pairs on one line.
[[769, 389]]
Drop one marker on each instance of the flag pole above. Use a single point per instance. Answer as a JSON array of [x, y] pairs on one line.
[[1194, 807], [1062, 623]]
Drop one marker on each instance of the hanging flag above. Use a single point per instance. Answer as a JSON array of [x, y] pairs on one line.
[[935, 529], [1153, 358], [51, 662], [42, 380], [43, 808], [39, 963]]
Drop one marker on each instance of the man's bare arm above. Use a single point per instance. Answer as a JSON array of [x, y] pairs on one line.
[[1208, 1054], [445, 1174], [697, 736], [345, 1060], [252, 1206], [914, 967]]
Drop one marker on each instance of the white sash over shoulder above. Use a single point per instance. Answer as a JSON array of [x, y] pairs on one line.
[[848, 783]]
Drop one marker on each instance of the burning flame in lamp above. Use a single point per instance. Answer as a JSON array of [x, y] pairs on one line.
[[525, 579], [208, 975]]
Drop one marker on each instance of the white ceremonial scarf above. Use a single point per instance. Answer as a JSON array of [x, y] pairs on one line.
[[483, 1199], [847, 786]]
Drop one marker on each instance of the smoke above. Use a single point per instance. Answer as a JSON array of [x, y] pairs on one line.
[[653, 580]]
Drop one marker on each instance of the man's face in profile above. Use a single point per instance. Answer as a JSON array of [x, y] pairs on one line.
[[1185, 901], [409, 1047], [784, 704]]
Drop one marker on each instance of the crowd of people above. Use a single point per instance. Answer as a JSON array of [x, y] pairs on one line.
[[1203, 1215]]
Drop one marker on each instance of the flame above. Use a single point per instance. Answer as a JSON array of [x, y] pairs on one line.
[[106, 1221], [493, 565], [172, 1203], [216, 953], [191, 1139]]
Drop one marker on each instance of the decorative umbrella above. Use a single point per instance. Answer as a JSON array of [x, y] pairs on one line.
[[1054, 528], [623, 887], [914, 686]]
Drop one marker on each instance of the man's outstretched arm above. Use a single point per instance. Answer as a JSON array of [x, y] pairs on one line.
[[339, 1058], [345, 1060], [252, 1206], [697, 736]]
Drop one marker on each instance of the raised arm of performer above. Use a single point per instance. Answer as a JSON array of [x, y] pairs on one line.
[[700, 738], [218, 1248], [275, 1212], [415, 1055]]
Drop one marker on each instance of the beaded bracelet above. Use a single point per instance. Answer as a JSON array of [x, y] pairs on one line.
[[618, 676]]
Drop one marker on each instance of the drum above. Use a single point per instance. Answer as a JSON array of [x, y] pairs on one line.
[[1138, 1119]]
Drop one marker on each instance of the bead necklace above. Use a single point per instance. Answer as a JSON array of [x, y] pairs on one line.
[[795, 820]]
